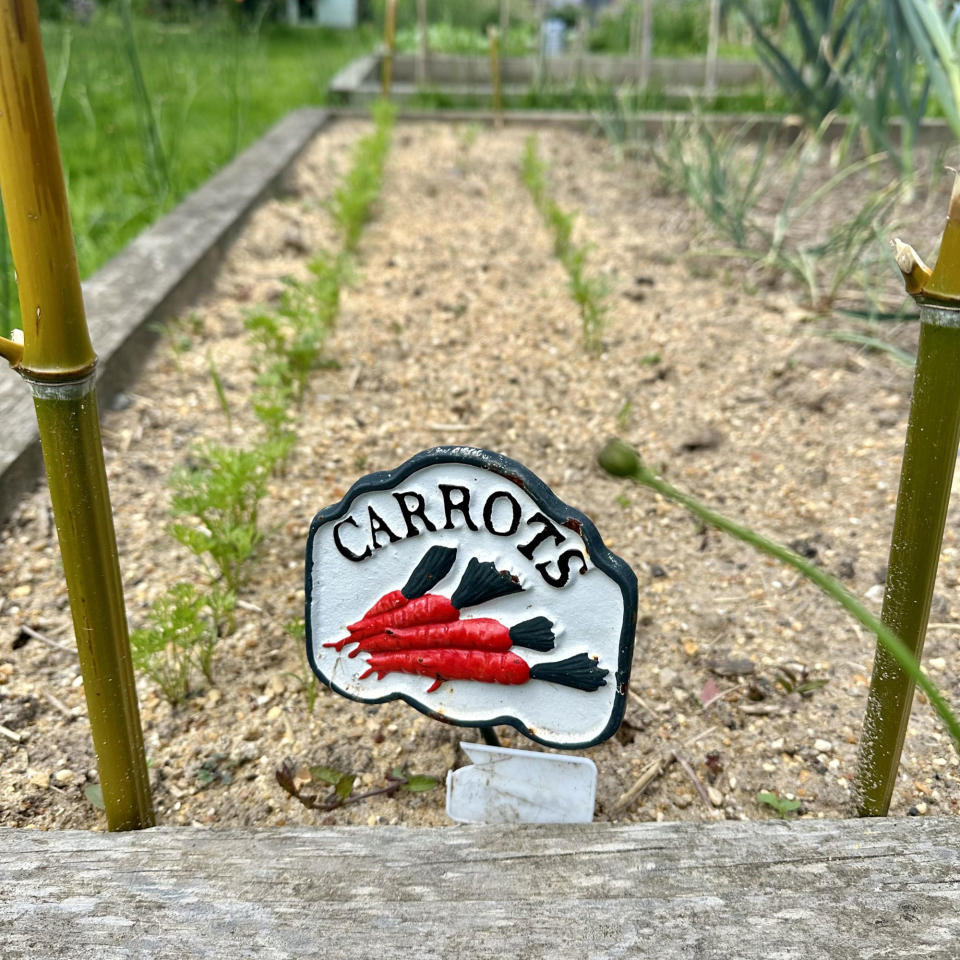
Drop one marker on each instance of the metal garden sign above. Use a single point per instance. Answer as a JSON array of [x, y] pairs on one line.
[[460, 584]]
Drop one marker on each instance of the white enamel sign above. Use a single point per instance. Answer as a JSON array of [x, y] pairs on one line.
[[459, 583]]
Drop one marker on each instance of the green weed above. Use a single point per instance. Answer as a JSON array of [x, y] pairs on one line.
[[782, 806], [327, 788]]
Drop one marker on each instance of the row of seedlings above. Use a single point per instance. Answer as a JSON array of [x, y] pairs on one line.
[[588, 291], [216, 496]]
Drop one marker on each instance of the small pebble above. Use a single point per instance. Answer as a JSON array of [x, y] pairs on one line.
[[64, 776], [822, 746], [716, 797], [39, 778]]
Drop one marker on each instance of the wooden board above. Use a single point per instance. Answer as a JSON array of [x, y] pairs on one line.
[[805, 889]]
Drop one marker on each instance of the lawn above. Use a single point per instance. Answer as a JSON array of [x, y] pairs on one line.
[[213, 87]]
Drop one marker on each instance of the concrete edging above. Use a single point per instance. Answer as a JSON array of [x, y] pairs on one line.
[[166, 267]]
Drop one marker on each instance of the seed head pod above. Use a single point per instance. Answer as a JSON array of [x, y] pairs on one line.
[[618, 459]]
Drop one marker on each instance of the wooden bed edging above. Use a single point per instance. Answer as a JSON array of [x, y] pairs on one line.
[[769, 889], [161, 271]]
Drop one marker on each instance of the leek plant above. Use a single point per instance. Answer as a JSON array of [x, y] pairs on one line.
[[936, 38], [727, 177], [859, 57]]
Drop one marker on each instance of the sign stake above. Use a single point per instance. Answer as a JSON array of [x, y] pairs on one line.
[[57, 363]]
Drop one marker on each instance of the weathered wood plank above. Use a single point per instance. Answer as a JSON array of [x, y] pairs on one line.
[[838, 889]]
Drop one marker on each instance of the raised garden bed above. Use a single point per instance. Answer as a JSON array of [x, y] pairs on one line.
[[458, 328], [465, 78]]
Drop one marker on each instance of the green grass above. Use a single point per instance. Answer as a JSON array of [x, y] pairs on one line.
[[213, 88]]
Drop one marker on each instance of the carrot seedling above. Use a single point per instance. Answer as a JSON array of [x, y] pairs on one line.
[[587, 292], [181, 631], [221, 491]]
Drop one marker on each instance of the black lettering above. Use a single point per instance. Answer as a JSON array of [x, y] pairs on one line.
[[549, 530], [418, 511], [451, 506], [377, 525], [349, 554], [563, 564], [488, 513]]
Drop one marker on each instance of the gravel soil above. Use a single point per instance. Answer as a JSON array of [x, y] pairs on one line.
[[458, 327]]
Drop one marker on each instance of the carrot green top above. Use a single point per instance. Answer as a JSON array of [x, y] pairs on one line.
[[56, 343]]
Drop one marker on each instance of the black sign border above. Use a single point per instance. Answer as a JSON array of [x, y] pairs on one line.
[[600, 555]]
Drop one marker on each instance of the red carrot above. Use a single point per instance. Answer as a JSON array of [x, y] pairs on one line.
[[481, 634], [432, 568], [377, 640], [480, 582], [580, 671], [430, 608], [389, 601], [505, 668]]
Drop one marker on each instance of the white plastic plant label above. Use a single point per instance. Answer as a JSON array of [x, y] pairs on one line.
[[460, 584], [519, 786]]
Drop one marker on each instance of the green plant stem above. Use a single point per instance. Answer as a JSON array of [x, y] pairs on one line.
[[154, 155], [929, 458], [70, 437], [888, 640]]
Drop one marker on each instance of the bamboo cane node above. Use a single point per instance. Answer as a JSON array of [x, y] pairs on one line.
[[60, 389], [940, 315]]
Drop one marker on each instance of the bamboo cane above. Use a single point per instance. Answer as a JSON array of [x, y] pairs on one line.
[[493, 35], [57, 362], [929, 458], [423, 47], [713, 38], [389, 42]]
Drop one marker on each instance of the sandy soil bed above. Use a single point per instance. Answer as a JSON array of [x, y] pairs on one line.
[[458, 328]]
